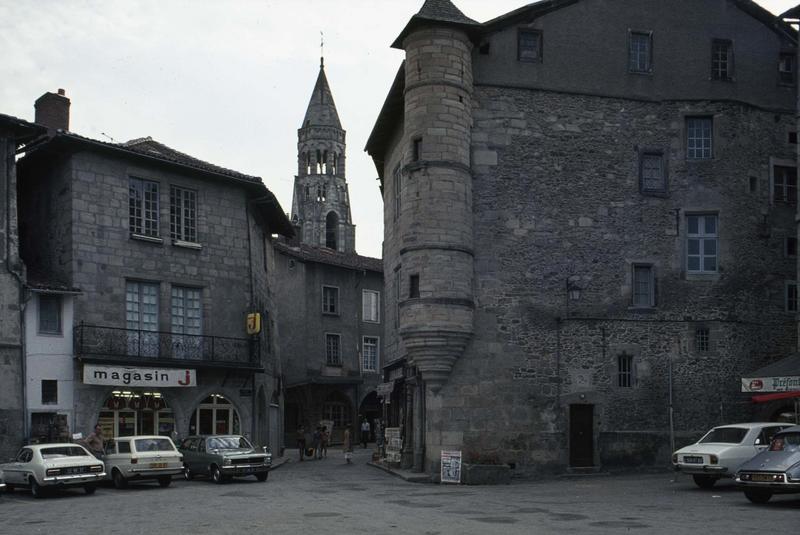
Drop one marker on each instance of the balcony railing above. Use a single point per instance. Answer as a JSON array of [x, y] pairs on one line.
[[114, 343]]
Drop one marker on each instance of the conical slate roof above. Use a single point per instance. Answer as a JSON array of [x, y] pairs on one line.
[[321, 109], [441, 11]]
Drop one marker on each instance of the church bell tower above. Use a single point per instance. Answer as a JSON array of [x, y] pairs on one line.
[[321, 202]]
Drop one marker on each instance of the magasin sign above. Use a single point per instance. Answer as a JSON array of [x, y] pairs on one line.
[[146, 377]]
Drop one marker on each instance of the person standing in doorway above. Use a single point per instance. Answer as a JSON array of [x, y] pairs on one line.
[[300, 437], [324, 437], [347, 446], [95, 441], [365, 432]]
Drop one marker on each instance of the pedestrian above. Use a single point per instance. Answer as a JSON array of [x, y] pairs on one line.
[[95, 441], [323, 442], [300, 437], [317, 439], [365, 432], [347, 446]]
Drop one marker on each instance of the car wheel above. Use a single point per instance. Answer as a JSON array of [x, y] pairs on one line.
[[164, 481], [704, 482], [36, 489], [9, 488], [262, 476], [187, 473], [758, 496], [119, 480], [89, 489], [216, 474]]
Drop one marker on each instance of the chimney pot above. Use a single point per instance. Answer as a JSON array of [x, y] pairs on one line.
[[52, 110]]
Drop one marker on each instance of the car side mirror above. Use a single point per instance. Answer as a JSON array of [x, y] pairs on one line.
[[215, 451]]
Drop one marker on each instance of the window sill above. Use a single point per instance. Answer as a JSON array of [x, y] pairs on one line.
[[707, 277], [641, 73], [642, 309], [51, 334], [335, 314], [329, 365], [187, 244], [372, 322], [149, 239], [653, 193]]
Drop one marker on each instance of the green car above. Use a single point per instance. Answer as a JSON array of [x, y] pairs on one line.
[[223, 457]]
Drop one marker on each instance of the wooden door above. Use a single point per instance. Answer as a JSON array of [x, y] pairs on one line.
[[581, 435]]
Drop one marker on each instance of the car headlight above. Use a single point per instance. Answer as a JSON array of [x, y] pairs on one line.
[[226, 462], [52, 472], [96, 468], [713, 459]]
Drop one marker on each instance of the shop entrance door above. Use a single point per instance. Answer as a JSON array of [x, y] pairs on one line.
[[581, 435]]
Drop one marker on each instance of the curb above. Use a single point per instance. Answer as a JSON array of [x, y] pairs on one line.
[[277, 463], [410, 477]]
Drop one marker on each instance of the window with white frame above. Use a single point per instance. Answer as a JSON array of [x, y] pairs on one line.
[[722, 59], [337, 412], [790, 302], [186, 319], [786, 68], [702, 339], [143, 206], [49, 314], [625, 377], [784, 184], [369, 351], [640, 52], [699, 137], [330, 300], [183, 214], [141, 315], [370, 306], [333, 349], [643, 286], [702, 243]]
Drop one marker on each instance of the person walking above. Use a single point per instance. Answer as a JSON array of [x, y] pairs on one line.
[[300, 437], [365, 432], [317, 440], [347, 446], [323, 442]]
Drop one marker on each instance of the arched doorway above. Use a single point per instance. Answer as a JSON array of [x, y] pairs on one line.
[[215, 416], [370, 409], [331, 229], [130, 412]]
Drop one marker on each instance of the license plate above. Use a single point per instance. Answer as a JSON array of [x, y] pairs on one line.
[[158, 465], [245, 470], [763, 477], [693, 459]]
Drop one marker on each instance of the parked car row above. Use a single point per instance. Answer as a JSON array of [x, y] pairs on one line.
[[762, 458], [137, 458]]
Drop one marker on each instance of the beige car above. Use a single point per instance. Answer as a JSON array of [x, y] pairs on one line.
[[42, 467], [139, 458]]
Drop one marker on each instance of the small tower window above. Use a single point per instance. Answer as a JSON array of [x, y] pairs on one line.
[[331, 230], [308, 192], [308, 163], [416, 149], [335, 162], [413, 286], [325, 162]]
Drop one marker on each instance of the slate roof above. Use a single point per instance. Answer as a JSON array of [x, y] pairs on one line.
[[323, 255], [793, 13], [21, 127], [439, 11], [321, 109], [787, 366]]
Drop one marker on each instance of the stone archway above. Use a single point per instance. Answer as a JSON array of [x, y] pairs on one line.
[[370, 409]]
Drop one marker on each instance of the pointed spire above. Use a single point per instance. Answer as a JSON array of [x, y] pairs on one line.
[[321, 108]]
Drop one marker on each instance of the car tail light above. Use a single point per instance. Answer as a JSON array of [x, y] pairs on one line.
[[53, 471], [96, 468], [713, 459], [134, 460]]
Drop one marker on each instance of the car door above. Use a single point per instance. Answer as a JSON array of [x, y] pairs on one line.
[[16, 472], [202, 458]]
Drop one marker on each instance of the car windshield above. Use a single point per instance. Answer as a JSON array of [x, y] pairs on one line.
[[63, 451], [787, 441], [153, 444], [727, 435], [228, 443]]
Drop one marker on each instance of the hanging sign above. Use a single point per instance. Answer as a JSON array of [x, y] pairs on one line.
[[451, 467], [770, 384], [149, 377], [253, 323]]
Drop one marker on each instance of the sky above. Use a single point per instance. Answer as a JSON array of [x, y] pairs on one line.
[[224, 81]]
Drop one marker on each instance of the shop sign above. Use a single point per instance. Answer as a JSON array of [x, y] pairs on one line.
[[770, 384], [394, 444], [147, 377], [385, 389], [451, 467]]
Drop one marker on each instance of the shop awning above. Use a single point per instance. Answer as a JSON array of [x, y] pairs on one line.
[[782, 376], [763, 398]]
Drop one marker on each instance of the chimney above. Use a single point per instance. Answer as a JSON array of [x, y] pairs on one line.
[[52, 110]]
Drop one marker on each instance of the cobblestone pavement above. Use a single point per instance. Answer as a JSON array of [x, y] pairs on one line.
[[331, 497]]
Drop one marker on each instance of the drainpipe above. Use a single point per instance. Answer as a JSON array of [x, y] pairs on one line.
[[255, 339], [10, 184]]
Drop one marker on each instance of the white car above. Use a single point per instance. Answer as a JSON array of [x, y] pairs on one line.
[[44, 466], [722, 450], [141, 458]]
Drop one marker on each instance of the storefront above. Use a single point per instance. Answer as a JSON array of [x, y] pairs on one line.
[[136, 412], [215, 416], [776, 389]]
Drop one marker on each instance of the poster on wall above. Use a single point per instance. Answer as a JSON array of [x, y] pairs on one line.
[[451, 467], [147, 377]]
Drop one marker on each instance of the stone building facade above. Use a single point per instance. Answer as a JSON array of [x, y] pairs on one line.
[[14, 133], [589, 227], [330, 326], [167, 255]]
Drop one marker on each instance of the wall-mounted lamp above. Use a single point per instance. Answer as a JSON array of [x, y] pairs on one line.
[[573, 291]]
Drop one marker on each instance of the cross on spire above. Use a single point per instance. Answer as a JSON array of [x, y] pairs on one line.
[[321, 49]]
